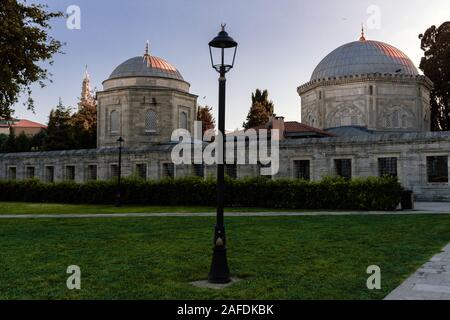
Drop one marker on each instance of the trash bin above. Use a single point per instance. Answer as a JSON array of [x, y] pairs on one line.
[[407, 200]]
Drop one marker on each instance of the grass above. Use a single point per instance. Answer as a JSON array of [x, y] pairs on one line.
[[54, 208], [155, 258]]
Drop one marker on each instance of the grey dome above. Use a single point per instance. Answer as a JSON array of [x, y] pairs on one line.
[[142, 67], [363, 57]]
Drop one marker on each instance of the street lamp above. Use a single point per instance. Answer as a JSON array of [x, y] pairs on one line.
[[220, 272], [119, 174]]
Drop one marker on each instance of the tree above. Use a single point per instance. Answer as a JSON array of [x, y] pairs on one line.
[[24, 46], [23, 143], [60, 135], [260, 111], [10, 143], [38, 140], [84, 126], [3, 139], [435, 64], [204, 114]]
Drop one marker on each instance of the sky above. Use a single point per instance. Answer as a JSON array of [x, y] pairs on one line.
[[280, 44]]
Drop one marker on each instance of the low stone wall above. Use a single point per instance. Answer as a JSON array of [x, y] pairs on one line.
[[410, 149]]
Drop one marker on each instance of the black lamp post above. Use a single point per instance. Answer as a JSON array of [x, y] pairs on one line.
[[119, 174], [220, 272]]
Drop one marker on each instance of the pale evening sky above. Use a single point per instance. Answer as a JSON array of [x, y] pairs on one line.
[[280, 43]]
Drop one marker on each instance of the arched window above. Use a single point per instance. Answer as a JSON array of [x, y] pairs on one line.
[[404, 121], [150, 121], [395, 119], [114, 122], [183, 120]]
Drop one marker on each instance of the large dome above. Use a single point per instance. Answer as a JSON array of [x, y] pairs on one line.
[[363, 57], [147, 66]]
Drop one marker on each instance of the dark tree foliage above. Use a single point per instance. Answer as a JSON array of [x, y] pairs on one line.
[[60, 134], [204, 114], [3, 139], [84, 126], [260, 111], [435, 64], [24, 46]]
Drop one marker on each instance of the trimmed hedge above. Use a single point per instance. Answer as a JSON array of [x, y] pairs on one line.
[[330, 193]]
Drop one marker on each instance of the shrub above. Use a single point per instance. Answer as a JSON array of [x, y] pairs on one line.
[[330, 193]]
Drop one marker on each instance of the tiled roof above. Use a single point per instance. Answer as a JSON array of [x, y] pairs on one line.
[[297, 127], [148, 66], [23, 123]]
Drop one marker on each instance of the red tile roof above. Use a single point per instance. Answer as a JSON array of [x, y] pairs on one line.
[[297, 127], [22, 123]]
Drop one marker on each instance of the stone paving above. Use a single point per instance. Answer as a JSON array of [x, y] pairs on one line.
[[430, 282], [420, 208]]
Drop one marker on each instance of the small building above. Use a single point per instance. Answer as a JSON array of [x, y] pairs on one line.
[[19, 126]]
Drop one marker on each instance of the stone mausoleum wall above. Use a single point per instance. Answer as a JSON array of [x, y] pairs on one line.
[[410, 149]]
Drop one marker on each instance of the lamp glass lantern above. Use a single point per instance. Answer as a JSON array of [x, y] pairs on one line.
[[221, 59]]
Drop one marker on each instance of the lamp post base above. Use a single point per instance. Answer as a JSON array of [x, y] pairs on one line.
[[219, 273]]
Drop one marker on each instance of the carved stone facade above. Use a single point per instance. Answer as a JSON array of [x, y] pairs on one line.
[[374, 101]]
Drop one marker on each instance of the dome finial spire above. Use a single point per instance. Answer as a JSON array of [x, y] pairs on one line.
[[363, 37], [86, 73], [147, 57]]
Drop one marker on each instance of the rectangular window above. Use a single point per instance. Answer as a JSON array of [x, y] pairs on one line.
[[168, 170], [264, 166], [199, 170], [141, 171], [12, 173], [50, 174], [29, 172], [150, 121], [343, 168], [113, 171], [437, 168], [91, 174], [69, 173], [387, 167], [302, 170], [231, 171]]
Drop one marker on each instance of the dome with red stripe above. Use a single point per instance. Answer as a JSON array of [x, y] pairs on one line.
[[147, 66], [364, 57]]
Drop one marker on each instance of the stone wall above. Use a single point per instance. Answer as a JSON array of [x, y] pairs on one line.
[[132, 105], [375, 101], [410, 149]]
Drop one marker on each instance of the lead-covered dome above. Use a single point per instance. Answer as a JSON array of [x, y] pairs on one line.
[[363, 57], [147, 66]]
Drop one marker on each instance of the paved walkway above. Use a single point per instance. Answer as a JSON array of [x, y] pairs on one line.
[[430, 282], [421, 208]]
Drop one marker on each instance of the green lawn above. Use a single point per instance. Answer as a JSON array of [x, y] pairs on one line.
[[54, 208], [156, 258]]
